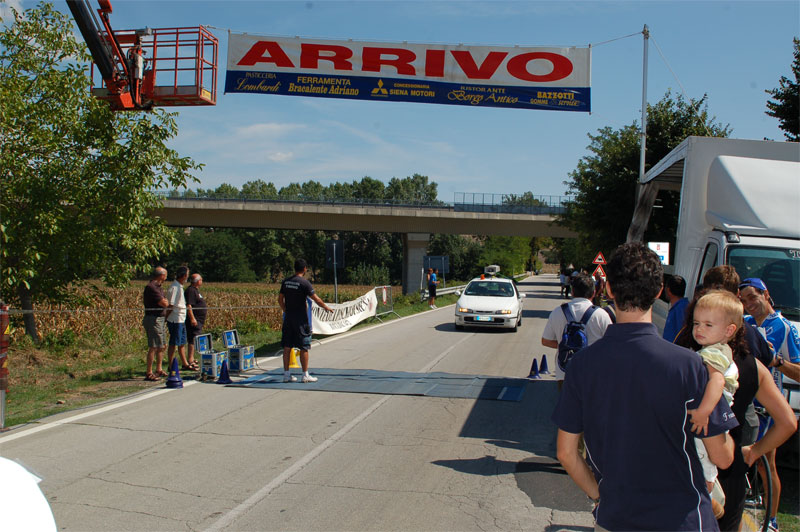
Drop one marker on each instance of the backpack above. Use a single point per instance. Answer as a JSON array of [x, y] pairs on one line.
[[573, 339]]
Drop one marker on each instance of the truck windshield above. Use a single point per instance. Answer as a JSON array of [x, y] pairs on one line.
[[778, 268]]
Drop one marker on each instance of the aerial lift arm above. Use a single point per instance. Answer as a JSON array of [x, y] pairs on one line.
[[122, 75]]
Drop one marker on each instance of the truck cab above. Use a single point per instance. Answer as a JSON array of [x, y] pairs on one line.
[[739, 205]]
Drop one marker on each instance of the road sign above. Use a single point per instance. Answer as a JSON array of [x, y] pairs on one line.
[[599, 259], [599, 270], [661, 249], [334, 254]]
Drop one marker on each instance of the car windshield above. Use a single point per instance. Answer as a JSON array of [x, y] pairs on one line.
[[778, 268], [489, 288]]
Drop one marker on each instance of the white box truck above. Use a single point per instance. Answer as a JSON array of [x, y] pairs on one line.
[[739, 205]]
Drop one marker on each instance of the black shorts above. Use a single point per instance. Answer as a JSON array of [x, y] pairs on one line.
[[192, 331], [296, 334], [432, 290]]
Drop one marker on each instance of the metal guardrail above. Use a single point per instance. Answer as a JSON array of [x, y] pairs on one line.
[[452, 289]]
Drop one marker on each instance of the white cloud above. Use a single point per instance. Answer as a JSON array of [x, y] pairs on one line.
[[272, 130], [280, 156]]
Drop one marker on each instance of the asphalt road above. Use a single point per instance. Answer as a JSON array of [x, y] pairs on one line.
[[210, 457]]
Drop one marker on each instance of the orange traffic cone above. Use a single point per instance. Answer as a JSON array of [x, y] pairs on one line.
[[293, 363]]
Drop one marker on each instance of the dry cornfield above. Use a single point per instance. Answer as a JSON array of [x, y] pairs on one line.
[[121, 309]]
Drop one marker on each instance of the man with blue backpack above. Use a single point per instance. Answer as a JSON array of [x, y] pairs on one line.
[[575, 325]]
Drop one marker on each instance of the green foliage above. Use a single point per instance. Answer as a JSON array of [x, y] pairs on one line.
[[464, 254], [785, 102], [259, 189], [368, 274], [74, 177], [511, 253], [604, 183], [217, 255], [67, 338]]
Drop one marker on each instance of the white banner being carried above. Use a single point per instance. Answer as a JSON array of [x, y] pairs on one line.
[[344, 315]]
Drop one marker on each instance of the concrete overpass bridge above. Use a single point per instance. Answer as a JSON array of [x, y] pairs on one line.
[[415, 222]]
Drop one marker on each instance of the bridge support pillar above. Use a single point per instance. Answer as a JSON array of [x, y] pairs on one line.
[[414, 247]]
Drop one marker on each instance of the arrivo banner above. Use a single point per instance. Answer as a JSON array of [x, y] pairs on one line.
[[480, 76]]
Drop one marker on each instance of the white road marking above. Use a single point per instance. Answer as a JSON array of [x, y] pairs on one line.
[[72, 419], [258, 496]]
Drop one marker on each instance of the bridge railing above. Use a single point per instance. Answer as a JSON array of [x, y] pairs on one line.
[[510, 203], [464, 202]]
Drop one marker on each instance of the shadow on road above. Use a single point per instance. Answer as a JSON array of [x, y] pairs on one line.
[[451, 327], [525, 426], [544, 314]]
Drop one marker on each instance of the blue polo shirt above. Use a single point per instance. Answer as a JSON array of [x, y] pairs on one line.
[[676, 318], [629, 394]]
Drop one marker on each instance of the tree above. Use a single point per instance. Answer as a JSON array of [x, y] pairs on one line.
[[259, 189], [511, 253], [218, 256], [604, 183], [785, 102], [74, 177], [414, 190]]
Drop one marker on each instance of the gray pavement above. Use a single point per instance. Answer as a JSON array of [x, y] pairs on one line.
[[210, 457]]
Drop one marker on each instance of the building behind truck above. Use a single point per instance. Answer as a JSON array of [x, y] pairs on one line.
[[739, 205]]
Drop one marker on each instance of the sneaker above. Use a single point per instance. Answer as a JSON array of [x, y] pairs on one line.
[[309, 378], [431, 307], [290, 378], [773, 525]]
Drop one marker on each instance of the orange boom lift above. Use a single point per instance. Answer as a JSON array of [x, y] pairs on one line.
[[140, 69]]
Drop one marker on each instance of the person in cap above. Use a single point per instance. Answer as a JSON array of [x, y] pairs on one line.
[[785, 340], [630, 393]]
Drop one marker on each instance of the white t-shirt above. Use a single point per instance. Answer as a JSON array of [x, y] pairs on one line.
[[595, 328], [178, 302]]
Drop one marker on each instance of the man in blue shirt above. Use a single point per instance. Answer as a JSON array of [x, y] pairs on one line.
[[784, 339], [675, 288], [630, 394]]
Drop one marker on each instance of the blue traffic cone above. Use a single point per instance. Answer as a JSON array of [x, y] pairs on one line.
[[535, 370], [224, 378], [174, 380], [544, 370]]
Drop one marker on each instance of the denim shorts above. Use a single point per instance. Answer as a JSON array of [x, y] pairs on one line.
[[177, 333]]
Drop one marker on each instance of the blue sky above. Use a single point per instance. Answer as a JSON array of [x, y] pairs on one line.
[[732, 51]]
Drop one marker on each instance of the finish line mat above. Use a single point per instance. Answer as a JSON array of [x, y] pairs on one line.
[[436, 384]]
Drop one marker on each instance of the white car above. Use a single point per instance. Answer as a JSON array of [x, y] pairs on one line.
[[490, 302]]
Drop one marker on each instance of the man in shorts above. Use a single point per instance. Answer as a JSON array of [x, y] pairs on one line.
[[196, 310], [155, 305], [176, 319], [296, 331]]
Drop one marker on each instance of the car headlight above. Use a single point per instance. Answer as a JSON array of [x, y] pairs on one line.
[[464, 310], [506, 311]]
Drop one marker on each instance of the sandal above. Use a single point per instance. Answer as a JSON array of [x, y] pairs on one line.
[[190, 367], [161, 373], [151, 377]]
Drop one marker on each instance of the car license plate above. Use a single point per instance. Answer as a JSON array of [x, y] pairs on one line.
[[483, 318]]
